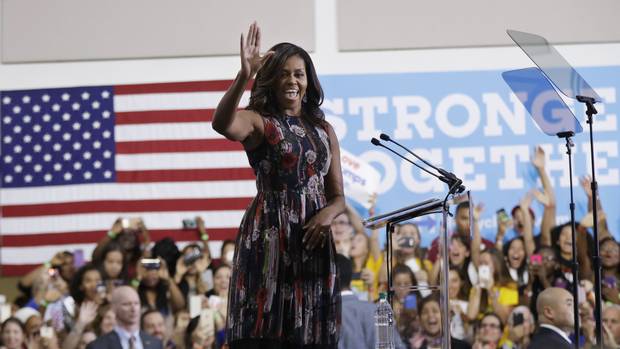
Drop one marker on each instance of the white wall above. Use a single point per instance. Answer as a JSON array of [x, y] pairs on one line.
[[327, 58]]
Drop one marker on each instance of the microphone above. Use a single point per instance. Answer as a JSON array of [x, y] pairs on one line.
[[441, 178], [454, 180]]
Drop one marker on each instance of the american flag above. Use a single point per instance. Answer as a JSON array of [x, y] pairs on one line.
[[76, 159]]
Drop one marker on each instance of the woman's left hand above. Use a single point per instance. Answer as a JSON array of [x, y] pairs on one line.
[[317, 230]]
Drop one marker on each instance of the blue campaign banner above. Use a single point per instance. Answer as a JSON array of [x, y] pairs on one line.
[[472, 124]]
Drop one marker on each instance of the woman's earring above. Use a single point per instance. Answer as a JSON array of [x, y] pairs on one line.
[[305, 99]]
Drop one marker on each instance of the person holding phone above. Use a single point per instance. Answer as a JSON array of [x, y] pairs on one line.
[[521, 325], [544, 272], [157, 289], [495, 291], [407, 251], [61, 265], [284, 273], [190, 268]]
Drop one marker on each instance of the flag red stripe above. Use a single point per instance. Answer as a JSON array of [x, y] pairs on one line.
[[87, 237], [176, 146], [172, 87], [193, 175], [161, 116], [17, 270], [176, 87], [78, 207]]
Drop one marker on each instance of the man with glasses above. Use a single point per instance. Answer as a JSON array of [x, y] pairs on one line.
[[489, 332]]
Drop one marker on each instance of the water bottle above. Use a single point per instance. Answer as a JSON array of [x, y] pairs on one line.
[[384, 324]]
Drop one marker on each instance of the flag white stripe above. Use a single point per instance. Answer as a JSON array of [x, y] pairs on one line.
[[181, 161], [42, 254], [165, 131], [103, 221], [128, 191], [171, 101]]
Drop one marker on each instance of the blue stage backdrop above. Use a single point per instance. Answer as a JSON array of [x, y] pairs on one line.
[[471, 123]]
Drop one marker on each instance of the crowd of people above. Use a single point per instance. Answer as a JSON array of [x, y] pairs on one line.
[[179, 296], [496, 288]]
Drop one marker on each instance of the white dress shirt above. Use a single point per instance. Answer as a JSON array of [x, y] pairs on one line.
[[124, 337], [558, 331]]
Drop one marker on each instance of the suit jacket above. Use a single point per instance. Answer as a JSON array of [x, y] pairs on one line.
[[112, 341], [358, 325], [545, 338], [454, 344]]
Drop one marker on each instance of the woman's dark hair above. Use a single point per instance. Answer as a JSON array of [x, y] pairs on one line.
[[101, 311], [15, 321], [501, 276], [609, 239], [491, 314], [191, 327], [403, 269], [557, 231], [263, 99], [161, 300], [523, 267], [146, 313], [424, 301], [167, 249], [345, 270], [216, 269], [111, 247], [462, 205], [75, 288], [465, 283], [465, 241]]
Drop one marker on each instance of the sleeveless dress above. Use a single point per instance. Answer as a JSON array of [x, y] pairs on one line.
[[278, 289]]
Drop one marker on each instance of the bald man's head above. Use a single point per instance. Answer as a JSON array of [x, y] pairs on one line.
[[126, 305], [555, 307]]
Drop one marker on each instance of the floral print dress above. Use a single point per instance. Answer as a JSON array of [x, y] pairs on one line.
[[279, 290]]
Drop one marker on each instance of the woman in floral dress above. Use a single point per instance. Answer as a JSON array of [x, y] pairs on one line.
[[284, 286]]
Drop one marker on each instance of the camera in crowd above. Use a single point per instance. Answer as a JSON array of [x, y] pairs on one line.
[[151, 263], [189, 223], [193, 255]]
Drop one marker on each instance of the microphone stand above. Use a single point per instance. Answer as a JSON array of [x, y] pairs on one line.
[[575, 264], [455, 185], [451, 176], [596, 259]]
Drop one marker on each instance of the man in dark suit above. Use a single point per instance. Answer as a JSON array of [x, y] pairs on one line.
[[555, 315], [126, 335], [358, 317]]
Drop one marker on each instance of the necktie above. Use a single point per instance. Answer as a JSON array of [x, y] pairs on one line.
[[132, 342]]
